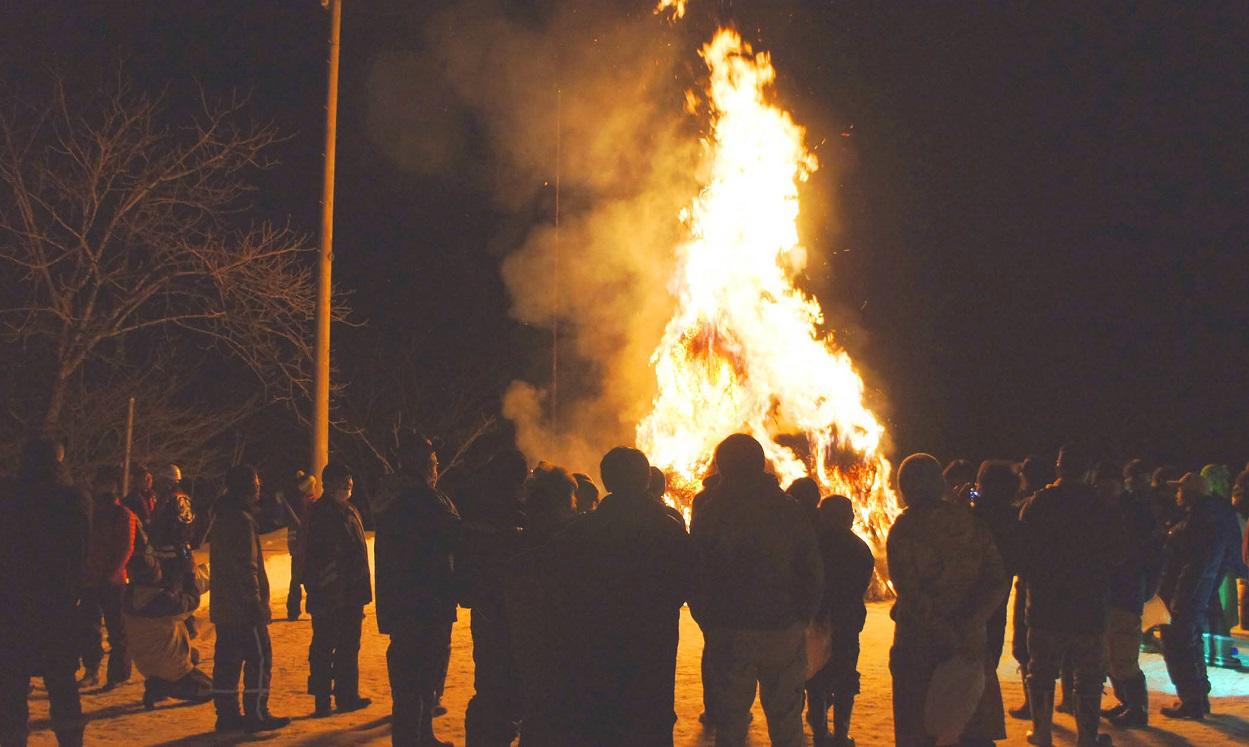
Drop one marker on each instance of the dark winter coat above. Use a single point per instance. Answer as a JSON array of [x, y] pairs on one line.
[[1070, 538], [756, 561], [1201, 548], [418, 534], [848, 569], [631, 563], [336, 563], [1135, 572], [238, 584], [45, 526], [492, 540]]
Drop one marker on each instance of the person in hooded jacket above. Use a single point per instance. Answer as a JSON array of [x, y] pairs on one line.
[[336, 573], [239, 606], [758, 581], [1201, 547], [848, 570], [47, 526], [419, 532], [631, 560], [494, 518], [113, 528]]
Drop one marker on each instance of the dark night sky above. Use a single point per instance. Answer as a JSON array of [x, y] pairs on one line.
[[1045, 207]]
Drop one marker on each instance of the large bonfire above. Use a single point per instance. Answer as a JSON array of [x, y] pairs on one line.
[[745, 350]]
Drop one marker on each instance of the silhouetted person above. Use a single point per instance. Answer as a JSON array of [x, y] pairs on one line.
[[492, 541], [1070, 540], [297, 502], [806, 491], [657, 488], [545, 620], [1224, 606], [113, 528], [632, 561], [418, 533], [239, 606], [848, 568], [1035, 473], [41, 558], [958, 474], [336, 573], [949, 581], [758, 584], [154, 609], [1161, 484], [1201, 547], [993, 503], [141, 499], [586, 494], [1133, 581]]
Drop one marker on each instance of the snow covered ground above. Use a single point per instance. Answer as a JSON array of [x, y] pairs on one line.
[[117, 717]]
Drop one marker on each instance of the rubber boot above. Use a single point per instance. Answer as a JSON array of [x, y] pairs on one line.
[[1041, 697], [1136, 697], [817, 712], [1023, 712], [843, 709], [1088, 720], [1118, 708]]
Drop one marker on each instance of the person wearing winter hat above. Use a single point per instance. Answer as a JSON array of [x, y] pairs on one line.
[[297, 502]]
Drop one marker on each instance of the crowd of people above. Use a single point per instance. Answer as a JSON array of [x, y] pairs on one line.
[[575, 602]]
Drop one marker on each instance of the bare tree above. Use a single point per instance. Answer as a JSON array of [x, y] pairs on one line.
[[121, 235]]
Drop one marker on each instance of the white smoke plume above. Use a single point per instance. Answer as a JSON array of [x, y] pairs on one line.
[[609, 84]]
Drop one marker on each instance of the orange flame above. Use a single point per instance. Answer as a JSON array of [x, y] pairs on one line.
[[744, 351]]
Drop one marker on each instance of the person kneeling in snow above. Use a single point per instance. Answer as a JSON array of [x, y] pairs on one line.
[[154, 609]]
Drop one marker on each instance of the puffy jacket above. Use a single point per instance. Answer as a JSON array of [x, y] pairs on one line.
[[756, 562], [336, 563], [157, 640], [237, 581], [113, 528], [1070, 538], [418, 534], [1201, 548]]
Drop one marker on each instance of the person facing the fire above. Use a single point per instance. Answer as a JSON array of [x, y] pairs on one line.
[[493, 516], [1070, 541], [238, 605], [336, 573], [418, 534], [949, 581], [46, 529], [758, 582], [848, 568], [630, 579]]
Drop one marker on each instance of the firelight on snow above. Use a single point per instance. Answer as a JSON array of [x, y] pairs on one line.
[[744, 351]]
